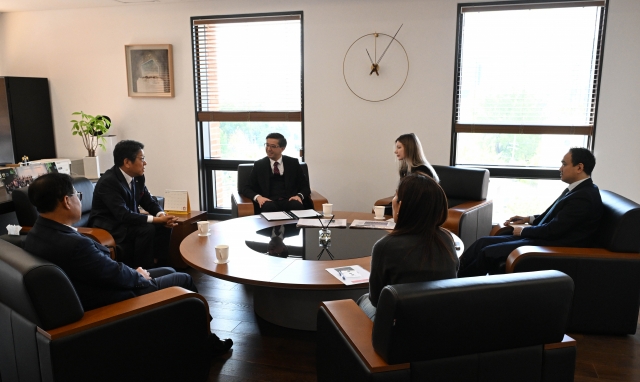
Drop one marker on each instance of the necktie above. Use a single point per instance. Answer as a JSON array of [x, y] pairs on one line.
[[544, 219], [276, 170], [133, 193]]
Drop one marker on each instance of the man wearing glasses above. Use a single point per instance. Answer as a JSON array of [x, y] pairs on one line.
[[116, 198], [97, 279], [277, 182]]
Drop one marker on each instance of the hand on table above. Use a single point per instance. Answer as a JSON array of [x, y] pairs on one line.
[[166, 220]]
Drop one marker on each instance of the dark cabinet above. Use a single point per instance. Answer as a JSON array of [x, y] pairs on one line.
[[26, 123]]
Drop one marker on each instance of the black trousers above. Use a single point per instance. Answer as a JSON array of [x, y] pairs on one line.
[[166, 277], [487, 254], [142, 243], [281, 205]]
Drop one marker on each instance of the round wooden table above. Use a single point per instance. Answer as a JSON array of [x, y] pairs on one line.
[[287, 291]]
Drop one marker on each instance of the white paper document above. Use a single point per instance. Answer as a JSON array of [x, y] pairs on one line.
[[280, 215], [300, 214], [373, 224], [336, 223], [351, 274]]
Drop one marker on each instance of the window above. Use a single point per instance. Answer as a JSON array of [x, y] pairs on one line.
[[248, 83], [526, 91]]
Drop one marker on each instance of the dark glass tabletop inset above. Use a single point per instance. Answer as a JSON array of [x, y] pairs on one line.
[[304, 243]]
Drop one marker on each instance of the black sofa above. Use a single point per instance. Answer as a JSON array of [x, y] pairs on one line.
[[470, 213], [491, 328], [607, 278], [46, 336]]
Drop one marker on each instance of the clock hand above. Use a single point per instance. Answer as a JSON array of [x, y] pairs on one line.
[[369, 56], [392, 38], [374, 67]]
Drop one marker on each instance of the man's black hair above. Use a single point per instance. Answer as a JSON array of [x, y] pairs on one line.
[[48, 190], [282, 141], [126, 149], [584, 156]]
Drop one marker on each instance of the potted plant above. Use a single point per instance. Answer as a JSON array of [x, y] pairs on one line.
[[91, 129]]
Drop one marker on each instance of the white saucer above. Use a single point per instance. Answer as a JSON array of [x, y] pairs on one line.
[[382, 218], [206, 234], [220, 262]]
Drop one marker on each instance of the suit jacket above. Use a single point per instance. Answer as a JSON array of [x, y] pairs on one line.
[[573, 221], [295, 181], [98, 279], [113, 201]]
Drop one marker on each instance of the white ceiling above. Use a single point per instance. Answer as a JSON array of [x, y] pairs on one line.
[[41, 5]]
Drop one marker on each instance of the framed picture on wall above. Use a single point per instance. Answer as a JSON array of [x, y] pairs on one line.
[[149, 70]]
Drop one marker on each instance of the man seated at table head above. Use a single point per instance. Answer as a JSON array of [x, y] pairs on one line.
[[571, 221], [97, 279], [116, 198], [277, 182]]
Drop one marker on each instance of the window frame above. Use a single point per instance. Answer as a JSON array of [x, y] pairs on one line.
[[519, 171], [207, 165]]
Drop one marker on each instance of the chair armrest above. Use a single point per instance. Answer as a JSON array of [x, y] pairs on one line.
[[383, 201], [122, 309], [538, 251], [565, 343], [101, 236], [456, 212], [318, 200], [245, 205], [357, 328]]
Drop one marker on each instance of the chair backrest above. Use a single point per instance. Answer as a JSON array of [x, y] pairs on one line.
[[457, 317], [244, 170], [36, 289], [462, 184], [27, 213], [620, 223]]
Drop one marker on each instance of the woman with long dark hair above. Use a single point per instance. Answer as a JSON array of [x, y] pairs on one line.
[[417, 249]]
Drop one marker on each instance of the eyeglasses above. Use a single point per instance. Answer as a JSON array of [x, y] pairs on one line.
[[78, 194], [266, 146]]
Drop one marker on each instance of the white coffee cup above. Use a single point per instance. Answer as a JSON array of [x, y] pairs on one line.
[[379, 210], [203, 227], [222, 253], [327, 208]]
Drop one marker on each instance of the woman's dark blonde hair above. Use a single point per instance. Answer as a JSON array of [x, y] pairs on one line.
[[413, 155], [423, 210]]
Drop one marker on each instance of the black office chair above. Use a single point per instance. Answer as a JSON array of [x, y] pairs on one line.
[[45, 335]]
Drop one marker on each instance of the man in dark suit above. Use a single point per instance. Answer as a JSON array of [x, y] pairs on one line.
[[116, 198], [571, 220], [277, 182], [97, 279]]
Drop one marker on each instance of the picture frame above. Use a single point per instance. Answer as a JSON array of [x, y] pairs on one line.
[[150, 70]]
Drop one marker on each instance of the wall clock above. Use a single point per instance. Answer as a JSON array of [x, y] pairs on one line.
[[376, 66]]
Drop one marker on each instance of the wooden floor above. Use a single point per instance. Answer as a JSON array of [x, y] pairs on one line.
[[266, 352]]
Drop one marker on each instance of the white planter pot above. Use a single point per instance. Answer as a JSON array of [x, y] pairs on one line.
[[91, 167]]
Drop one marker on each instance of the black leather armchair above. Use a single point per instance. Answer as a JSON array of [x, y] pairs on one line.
[[470, 213], [27, 215], [243, 206], [607, 278], [46, 336], [495, 328]]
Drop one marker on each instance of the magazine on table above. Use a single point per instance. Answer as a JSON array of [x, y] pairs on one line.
[[350, 274], [373, 224]]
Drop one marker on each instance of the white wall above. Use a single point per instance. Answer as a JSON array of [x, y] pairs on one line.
[[348, 142]]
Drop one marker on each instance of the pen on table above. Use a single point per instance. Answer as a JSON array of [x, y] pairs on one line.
[[340, 273]]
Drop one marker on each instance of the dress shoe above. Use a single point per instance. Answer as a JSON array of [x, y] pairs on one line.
[[218, 346]]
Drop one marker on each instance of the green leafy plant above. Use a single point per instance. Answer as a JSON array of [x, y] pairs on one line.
[[91, 129]]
